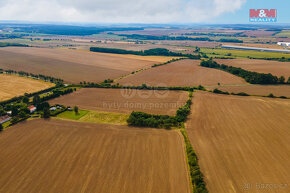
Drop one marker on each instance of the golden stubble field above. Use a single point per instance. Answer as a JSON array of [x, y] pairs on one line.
[[74, 66], [263, 66], [59, 156], [182, 73], [13, 86], [242, 142], [124, 100]]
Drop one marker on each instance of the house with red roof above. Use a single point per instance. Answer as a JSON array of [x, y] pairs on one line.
[[32, 108]]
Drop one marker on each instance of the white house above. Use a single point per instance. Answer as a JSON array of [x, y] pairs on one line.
[[284, 44], [52, 108]]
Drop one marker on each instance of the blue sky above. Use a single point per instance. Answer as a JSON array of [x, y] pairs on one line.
[[242, 15], [139, 11]]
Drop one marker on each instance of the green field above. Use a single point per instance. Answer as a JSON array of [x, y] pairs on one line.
[[218, 52], [283, 34], [6, 124], [96, 117], [106, 117], [72, 115]]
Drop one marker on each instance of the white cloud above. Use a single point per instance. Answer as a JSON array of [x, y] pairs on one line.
[[126, 11]]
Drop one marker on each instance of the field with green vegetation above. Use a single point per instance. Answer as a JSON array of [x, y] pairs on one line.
[[96, 117], [72, 115], [283, 34], [218, 52], [105, 117]]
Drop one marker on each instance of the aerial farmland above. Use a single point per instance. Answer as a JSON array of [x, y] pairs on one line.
[[143, 108]]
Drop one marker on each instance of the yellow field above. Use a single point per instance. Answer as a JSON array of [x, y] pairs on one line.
[[13, 86]]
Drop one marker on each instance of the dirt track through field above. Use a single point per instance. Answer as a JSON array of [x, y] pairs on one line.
[[241, 142], [58, 156], [182, 73]]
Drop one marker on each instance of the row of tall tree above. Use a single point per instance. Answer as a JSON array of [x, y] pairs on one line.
[[251, 77]]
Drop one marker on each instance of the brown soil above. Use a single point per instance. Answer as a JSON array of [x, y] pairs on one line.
[[182, 73], [72, 66], [262, 90], [241, 142], [125, 101], [60, 156], [263, 66]]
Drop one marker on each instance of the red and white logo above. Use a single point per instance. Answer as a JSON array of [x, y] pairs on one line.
[[263, 15]]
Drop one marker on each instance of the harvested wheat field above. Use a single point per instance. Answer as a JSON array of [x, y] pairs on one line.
[[263, 66], [59, 156], [125, 100], [13, 86], [182, 73], [261, 90], [71, 65], [240, 149]]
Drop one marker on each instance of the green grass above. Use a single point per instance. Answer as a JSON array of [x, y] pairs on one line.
[[96, 117], [283, 34], [105, 117], [6, 124], [243, 53], [72, 115]]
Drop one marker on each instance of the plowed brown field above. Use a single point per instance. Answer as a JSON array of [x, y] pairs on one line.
[[263, 90], [182, 73], [58, 156], [73, 66], [263, 66], [125, 101], [242, 142]]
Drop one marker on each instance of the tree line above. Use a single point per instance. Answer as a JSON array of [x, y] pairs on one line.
[[7, 44], [197, 178], [251, 77], [149, 52], [35, 76], [171, 38], [141, 119]]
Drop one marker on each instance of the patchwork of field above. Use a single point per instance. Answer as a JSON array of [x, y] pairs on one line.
[[13, 86], [124, 100], [92, 158], [262, 90], [263, 66], [73, 66], [242, 53], [242, 142], [182, 73], [259, 33], [137, 47]]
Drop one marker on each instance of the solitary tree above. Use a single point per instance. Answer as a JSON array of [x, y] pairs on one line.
[[76, 110]]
